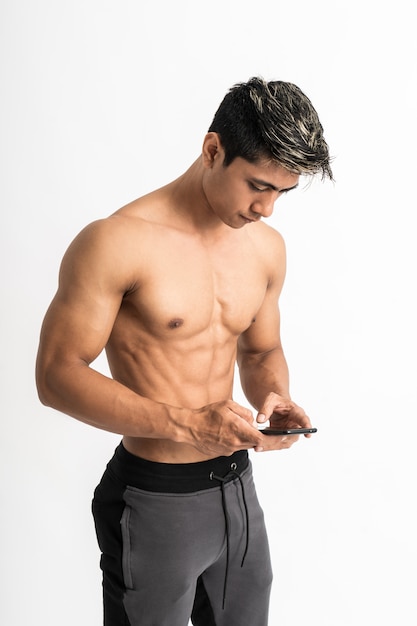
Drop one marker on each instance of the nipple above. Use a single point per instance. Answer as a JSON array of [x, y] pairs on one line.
[[176, 322]]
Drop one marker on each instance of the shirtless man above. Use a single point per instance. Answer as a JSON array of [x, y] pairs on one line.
[[177, 287]]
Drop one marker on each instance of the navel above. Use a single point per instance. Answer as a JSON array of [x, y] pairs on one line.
[[176, 322]]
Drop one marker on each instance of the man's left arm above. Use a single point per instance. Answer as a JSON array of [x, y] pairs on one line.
[[263, 368], [264, 378]]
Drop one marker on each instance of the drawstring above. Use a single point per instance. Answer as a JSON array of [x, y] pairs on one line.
[[223, 480]]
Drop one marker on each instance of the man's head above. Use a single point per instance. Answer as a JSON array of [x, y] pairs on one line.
[[272, 120]]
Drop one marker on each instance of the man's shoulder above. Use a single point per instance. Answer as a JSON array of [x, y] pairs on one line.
[[130, 222], [108, 235], [111, 245], [267, 238]]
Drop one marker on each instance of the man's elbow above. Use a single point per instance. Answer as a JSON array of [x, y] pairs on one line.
[[44, 389], [48, 381], [56, 379]]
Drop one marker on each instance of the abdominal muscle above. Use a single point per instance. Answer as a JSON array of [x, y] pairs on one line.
[[185, 373]]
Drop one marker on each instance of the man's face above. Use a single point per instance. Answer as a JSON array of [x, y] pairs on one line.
[[245, 192]]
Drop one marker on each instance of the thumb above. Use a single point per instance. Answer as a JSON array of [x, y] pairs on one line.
[[261, 417]]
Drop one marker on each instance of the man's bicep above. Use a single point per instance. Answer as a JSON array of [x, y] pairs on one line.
[[77, 329], [81, 316], [264, 333]]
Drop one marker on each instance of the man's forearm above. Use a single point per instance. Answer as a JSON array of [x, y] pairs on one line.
[[216, 429], [95, 399], [261, 374]]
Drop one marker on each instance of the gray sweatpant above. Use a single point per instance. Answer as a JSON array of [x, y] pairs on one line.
[[181, 541]]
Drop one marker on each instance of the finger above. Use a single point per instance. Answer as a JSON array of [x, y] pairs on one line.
[[262, 417], [272, 403], [300, 418], [242, 412], [279, 442]]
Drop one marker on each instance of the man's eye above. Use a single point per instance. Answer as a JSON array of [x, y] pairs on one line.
[[255, 187]]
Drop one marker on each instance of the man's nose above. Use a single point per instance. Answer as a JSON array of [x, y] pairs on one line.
[[264, 207]]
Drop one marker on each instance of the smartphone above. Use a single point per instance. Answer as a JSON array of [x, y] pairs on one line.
[[288, 431]]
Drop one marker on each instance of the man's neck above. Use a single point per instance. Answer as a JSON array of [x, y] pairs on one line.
[[187, 197]]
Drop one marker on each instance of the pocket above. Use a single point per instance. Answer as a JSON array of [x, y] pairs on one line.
[[126, 548]]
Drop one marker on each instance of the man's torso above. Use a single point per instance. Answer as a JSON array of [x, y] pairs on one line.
[[175, 337]]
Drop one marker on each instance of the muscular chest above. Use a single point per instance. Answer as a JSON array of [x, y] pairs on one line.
[[191, 288]]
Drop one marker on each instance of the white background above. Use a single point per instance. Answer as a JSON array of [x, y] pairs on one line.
[[103, 101]]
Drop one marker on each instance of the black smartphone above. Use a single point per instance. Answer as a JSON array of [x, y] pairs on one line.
[[288, 431]]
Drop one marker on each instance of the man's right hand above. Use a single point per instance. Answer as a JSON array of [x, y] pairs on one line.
[[223, 428]]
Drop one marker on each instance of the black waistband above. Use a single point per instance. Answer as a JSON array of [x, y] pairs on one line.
[[173, 477]]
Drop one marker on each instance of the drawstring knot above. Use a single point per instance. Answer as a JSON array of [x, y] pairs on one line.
[[222, 480]]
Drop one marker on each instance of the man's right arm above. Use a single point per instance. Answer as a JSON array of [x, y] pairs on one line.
[[94, 275]]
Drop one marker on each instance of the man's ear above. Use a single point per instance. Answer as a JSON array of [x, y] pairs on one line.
[[212, 149]]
